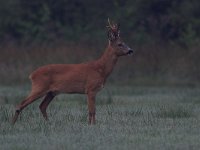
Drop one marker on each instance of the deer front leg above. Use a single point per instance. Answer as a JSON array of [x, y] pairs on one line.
[[91, 107]]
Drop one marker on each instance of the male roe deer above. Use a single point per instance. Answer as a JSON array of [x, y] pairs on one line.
[[85, 78]]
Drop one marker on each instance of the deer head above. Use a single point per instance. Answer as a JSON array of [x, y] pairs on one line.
[[119, 47]]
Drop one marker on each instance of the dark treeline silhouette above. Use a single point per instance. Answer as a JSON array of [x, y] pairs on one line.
[[144, 20]]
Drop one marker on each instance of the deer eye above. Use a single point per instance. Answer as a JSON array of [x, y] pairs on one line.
[[120, 44]]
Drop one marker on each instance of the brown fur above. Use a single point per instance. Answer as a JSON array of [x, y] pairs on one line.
[[85, 78]]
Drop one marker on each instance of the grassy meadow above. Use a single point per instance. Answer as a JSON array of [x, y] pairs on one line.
[[154, 111], [128, 117]]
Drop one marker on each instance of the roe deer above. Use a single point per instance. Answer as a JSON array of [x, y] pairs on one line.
[[85, 78]]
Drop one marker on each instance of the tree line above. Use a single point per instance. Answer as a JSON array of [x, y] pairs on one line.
[[143, 20]]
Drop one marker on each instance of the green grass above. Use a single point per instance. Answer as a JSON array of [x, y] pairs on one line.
[[127, 118]]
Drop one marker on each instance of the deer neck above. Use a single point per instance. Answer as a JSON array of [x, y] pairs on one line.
[[107, 61]]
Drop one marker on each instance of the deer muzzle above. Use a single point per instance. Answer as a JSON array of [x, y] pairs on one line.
[[130, 52]]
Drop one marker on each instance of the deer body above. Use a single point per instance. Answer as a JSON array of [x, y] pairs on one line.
[[61, 78], [85, 78], [74, 78]]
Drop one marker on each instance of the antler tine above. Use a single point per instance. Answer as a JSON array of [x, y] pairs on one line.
[[112, 25], [109, 24]]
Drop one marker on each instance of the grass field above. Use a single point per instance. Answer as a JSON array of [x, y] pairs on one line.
[[136, 118]]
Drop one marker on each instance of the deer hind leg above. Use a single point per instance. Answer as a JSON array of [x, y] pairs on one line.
[[31, 98], [91, 107], [43, 106]]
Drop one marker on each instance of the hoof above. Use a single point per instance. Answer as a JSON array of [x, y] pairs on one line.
[[17, 111]]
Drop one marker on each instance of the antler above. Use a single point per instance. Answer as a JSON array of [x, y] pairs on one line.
[[114, 27], [109, 24], [113, 31]]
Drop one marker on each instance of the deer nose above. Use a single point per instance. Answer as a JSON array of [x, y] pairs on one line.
[[130, 52]]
